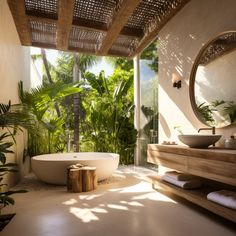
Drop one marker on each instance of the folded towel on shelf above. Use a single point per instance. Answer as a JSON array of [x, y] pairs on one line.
[[187, 184], [179, 176], [223, 197]]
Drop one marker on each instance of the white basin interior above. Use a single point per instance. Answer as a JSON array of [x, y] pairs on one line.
[[199, 140]]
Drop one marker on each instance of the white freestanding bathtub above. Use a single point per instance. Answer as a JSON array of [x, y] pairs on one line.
[[52, 168]]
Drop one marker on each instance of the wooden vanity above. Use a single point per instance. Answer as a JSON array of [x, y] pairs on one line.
[[214, 164]]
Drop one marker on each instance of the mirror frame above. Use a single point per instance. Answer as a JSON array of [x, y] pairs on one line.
[[193, 75]]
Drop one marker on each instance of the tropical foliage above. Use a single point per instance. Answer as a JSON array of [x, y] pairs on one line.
[[109, 109], [226, 109], [40, 103], [10, 119], [100, 116], [105, 110]]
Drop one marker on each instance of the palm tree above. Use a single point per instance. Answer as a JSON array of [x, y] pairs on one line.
[[71, 67], [76, 101], [15, 116], [45, 62], [39, 102], [109, 114]]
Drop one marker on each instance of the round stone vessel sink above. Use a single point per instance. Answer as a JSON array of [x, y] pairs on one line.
[[199, 140]]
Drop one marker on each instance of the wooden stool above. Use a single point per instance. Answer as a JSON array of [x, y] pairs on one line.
[[81, 178]]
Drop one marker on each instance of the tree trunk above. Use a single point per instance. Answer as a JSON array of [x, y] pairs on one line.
[[81, 178], [46, 66], [76, 78]]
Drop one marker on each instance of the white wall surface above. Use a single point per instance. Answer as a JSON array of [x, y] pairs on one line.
[[180, 42], [216, 80], [14, 66]]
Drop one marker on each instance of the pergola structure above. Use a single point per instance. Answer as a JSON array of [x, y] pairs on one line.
[[100, 27]]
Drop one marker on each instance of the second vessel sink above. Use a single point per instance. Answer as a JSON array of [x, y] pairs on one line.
[[199, 140]]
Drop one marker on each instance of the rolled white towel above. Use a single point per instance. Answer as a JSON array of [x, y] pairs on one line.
[[188, 184], [223, 197], [179, 176]]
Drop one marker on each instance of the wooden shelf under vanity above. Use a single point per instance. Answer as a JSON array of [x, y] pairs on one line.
[[216, 165], [198, 197]]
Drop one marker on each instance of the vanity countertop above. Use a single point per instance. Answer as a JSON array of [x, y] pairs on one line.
[[213, 153]]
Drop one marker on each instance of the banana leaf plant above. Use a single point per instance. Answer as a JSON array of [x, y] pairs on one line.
[[230, 109], [110, 116], [5, 196], [40, 103], [11, 118]]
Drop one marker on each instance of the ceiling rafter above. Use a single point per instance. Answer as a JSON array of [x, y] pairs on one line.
[[17, 8], [117, 24], [91, 25], [65, 18], [112, 27]]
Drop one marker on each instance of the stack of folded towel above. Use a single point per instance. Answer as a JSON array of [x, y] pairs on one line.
[[182, 180], [223, 197]]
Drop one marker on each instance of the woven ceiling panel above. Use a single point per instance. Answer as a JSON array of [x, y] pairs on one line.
[[150, 13], [86, 39], [123, 46], [43, 32], [101, 11], [101, 27], [43, 8]]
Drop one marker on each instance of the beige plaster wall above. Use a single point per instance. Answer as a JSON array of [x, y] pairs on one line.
[[214, 76], [14, 66], [180, 42]]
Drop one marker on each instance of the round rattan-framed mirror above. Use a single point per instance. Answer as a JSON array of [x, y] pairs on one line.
[[212, 81]]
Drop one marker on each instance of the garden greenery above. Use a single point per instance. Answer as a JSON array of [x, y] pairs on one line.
[[106, 109], [105, 106]]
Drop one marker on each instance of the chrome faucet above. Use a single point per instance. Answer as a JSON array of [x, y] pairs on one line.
[[212, 128]]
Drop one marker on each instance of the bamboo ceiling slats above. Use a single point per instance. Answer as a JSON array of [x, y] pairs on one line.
[[43, 8], [102, 27], [43, 32]]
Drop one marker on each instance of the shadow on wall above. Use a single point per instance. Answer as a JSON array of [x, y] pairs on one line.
[[164, 126], [180, 44], [177, 59]]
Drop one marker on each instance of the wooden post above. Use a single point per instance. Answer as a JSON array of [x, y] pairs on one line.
[[81, 178], [74, 178], [89, 178]]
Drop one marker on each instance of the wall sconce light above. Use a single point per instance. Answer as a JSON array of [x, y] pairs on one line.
[[176, 81]]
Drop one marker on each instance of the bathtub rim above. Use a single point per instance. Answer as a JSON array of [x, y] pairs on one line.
[[51, 156]]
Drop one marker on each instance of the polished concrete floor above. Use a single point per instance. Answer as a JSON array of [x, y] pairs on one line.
[[127, 205]]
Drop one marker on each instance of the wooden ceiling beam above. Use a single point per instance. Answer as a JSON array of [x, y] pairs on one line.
[[41, 19], [91, 25], [17, 8], [118, 24], [153, 35], [65, 18], [133, 33], [44, 45]]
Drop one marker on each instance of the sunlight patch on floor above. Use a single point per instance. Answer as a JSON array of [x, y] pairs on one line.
[[86, 215], [118, 207], [89, 197], [132, 203], [70, 202], [154, 196], [137, 188]]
